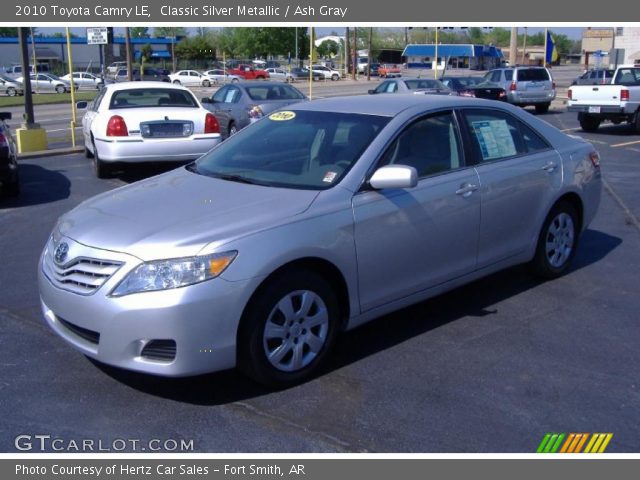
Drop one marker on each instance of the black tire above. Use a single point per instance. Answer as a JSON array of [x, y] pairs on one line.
[[11, 92], [60, 89], [542, 107], [177, 82], [88, 153], [252, 345], [335, 77], [234, 80], [100, 168], [559, 231], [206, 83], [637, 122], [589, 123]]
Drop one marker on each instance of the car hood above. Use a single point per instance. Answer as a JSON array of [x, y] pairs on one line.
[[178, 213]]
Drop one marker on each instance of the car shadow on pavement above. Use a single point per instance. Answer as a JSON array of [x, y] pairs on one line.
[[473, 300], [621, 130], [38, 185], [130, 173]]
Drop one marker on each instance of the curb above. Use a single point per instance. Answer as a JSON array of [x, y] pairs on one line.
[[50, 153]]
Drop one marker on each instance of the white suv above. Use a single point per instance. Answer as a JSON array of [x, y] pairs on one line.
[[329, 74]]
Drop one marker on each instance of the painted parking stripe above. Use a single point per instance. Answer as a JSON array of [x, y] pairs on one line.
[[626, 143], [570, 129]]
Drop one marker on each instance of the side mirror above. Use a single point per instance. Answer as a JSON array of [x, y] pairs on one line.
[[394, 176], [372, 92], [81, 105], [206, 100]]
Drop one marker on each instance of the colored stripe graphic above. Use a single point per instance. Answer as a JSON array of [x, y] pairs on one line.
[[574, 442]]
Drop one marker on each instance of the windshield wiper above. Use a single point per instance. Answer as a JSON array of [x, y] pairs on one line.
[[236, 178]]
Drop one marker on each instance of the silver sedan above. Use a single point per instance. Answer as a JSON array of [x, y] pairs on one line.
[[313, 220]]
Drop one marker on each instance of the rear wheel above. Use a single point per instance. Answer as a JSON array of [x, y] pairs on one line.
[[542, 108], [557, 242], [206, 83], [11, 92], [176, 82], [589, 123], [335, 77], [232, 129], [60, 89], [288, 328], [234, 80], [101, 169]]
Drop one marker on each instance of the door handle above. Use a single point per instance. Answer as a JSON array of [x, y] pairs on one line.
[[466, 189], [549, 167]]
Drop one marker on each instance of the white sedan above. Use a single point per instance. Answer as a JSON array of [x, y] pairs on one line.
[[191, 78], [146, 122], [280, 74], [221, 76], [329, 73], [84, 80]]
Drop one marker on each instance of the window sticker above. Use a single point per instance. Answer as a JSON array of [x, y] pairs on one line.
[[329, 177], [494, 138], [282, 116]]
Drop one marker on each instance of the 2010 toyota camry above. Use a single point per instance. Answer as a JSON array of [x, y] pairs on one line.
[[313, 220]]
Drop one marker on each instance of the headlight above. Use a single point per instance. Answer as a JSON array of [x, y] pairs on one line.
[[173, 273]]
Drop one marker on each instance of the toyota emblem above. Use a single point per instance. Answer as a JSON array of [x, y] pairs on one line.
[[60, 255]]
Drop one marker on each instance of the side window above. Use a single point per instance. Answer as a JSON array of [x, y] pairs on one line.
[[382, 87], [95, 105], [495, 134], [220, 95], [495, 77], [532, 141], [508, 75], [431, 145]]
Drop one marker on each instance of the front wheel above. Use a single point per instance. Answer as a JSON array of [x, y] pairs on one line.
[[288, 328], [60, 89], [206, 83], [589, 123], [335, 77], [11, 92], [176, 82], [557, 242]]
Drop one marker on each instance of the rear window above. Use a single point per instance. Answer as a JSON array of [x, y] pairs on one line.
[[274, 92], [533, 75], [628, 76], [424, 83], [152, 97]]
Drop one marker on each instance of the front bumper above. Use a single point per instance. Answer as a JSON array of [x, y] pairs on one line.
[[201, 319], [138, 149]]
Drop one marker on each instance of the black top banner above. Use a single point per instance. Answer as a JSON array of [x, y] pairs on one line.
[[26, 12]]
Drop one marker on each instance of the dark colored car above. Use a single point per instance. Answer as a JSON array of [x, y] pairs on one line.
[[9, 184], [374, 69], [475, 87], [239, 104], [149, 74], [301, 74]]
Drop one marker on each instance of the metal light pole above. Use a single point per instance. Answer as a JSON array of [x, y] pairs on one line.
[[28, 97], [73, 90]]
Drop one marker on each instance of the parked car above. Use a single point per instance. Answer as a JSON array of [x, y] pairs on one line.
[[475, 87], [146, 122], [389, 71], [149, 75], [84, 80], [375, 67], [10, 87], [412, 85], [314, 220], [191, 78], [328, 73], [222, 76], [525, 86], [618, 102], [302, 74], [15, 71], [249, 72], [595, 76], [114, 67], [237, 105], [46, 82], [9, 181], [280, 74]]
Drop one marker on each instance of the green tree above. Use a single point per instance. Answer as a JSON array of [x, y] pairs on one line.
[[8, 31], [139, 32], [196, 48], [328, 48], [170, 32]]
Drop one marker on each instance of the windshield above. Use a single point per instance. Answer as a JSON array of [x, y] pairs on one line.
[[152, 97], [293, 149], [424, 83], [7, 79]]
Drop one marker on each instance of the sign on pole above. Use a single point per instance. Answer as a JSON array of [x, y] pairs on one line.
[[97, 36]]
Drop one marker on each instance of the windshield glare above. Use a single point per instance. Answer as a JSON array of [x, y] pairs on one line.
[[294, 149]]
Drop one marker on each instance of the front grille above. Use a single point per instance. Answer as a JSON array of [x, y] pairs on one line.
[[81, 275], [84, 333], [164, 350]]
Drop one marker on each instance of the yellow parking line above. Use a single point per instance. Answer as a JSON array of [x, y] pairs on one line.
[[569, 129], [626, 143]]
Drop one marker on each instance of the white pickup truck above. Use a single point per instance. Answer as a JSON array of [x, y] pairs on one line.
[[618, 102]]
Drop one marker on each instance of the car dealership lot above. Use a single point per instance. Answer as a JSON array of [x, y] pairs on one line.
[[490, 367]]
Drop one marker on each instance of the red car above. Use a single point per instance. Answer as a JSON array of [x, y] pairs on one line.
[[248, 72], [388, 71]]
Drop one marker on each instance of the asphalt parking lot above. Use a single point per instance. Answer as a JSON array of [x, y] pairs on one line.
[[490, 367]]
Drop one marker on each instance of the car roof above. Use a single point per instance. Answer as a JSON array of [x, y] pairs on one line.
[[389, 105]]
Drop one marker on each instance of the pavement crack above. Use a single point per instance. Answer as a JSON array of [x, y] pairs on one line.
[[631, 218], [343, 445]]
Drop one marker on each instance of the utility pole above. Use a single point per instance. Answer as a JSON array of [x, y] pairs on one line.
[[513, 47], [347, 52], [369, 59], [524, 47], [355, 52], [127, 42]]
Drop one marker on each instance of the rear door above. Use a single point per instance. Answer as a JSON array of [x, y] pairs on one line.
[[408, 240], [519, 174]]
